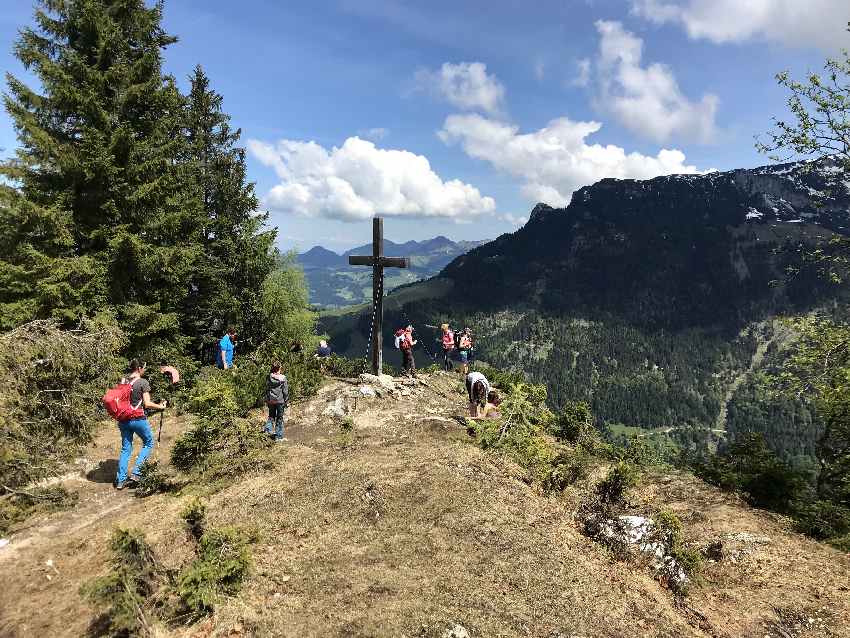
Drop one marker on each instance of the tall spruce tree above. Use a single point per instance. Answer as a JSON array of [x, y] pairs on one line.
[[238, 253], [97, 210]]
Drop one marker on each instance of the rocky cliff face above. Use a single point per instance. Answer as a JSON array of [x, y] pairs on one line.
[[676, 250]]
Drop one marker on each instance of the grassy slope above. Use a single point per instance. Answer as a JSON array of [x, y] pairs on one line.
[[409, 527]]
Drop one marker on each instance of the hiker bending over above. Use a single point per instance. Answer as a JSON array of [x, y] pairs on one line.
[[140, 399], [448, 342], [464, 349], [277, 398], [224, 356], [478, 389]]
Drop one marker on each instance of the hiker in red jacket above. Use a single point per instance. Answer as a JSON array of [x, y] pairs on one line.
[[404, 341], [448, 343]]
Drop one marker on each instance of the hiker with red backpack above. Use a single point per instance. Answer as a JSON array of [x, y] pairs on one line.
[[404, 341], [447, 340], [126, 403]]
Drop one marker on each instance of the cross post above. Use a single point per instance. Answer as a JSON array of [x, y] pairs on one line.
[[378, 263]]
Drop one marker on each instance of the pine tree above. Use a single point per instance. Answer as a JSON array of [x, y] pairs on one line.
[[98, 210], [238, 254]]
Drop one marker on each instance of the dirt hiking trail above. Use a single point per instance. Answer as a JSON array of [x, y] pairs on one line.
[[402, 526]]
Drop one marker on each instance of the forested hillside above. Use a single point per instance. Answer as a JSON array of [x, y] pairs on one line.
[[125, 196], [646, 298]]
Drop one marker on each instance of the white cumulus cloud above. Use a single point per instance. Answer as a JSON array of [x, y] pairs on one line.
[[358, 180], [797, 23], [556, 160], [647, 100], [467, 86]]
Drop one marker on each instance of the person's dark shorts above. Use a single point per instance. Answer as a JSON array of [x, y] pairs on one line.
[[464, 356]]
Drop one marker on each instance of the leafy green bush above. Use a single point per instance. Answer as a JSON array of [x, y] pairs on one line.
[[285, 309], [337, 366], [19, 505], [221, 566], [620, 478], [822, 519], [565, 469], [128, 587]]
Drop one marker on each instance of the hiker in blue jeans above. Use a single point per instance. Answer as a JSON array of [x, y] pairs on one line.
[[140, 397], [277, 398]]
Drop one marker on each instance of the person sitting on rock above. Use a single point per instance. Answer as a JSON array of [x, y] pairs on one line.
[[277, 397], [491, 408], [324, 350]]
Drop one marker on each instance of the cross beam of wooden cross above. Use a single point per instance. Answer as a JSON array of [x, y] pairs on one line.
[[378, 263]]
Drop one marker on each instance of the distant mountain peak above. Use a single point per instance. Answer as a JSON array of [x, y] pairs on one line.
[[540, 211], [320, 250]]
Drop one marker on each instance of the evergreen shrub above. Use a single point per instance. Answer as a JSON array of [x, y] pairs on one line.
[[620, 478], [221, 566], [126, 590]]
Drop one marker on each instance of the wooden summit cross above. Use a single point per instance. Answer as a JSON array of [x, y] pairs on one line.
[[378, 263]]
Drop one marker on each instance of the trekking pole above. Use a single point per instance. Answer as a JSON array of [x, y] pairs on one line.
[[159, 436]]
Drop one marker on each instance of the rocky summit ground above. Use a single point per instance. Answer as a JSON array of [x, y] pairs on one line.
[[403, 527]]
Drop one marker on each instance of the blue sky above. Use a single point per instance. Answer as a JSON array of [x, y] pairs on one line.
[[456, 118]]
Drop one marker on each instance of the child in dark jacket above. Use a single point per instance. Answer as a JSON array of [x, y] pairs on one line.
[[277, 398]]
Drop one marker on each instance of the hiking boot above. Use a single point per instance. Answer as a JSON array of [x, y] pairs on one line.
[[119, 485], [281, 439], [133, 481]]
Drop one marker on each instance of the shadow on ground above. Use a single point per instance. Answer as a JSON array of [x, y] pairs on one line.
[[104, 472]]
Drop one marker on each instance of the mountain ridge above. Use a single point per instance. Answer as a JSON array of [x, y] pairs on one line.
[[332, 282], [658, 289]]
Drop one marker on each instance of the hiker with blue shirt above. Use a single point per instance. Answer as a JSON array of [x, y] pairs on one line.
[[224, 356], [140, 399], [277, 398]]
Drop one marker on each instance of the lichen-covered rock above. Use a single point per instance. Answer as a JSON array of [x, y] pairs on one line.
[[643, 534], [456, 631]]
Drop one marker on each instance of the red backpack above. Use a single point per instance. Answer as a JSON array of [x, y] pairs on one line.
[[118, 404]]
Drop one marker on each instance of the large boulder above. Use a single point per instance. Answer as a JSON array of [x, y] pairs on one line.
[[384, 381]]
